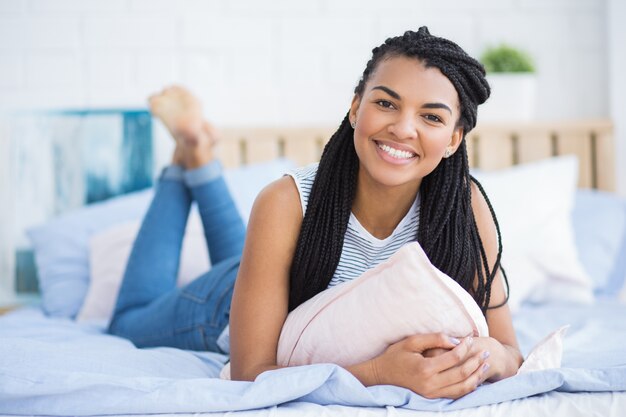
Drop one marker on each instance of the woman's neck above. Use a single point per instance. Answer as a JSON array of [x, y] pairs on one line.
[[379, 208]]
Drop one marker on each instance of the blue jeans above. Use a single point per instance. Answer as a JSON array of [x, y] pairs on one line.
[[150, 310]]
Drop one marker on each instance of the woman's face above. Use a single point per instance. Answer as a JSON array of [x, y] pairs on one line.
[[405, 121]]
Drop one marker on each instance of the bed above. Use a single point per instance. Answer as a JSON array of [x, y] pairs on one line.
[[55, 358]]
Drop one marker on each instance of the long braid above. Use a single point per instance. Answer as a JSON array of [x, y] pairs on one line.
[[324, 225], [447, 230]]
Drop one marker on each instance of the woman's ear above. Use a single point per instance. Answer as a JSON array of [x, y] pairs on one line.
[[354, 108], [455, 140]]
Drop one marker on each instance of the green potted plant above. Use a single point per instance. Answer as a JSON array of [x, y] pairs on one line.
[[511, 75]]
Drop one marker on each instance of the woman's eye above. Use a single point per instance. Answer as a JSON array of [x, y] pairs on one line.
[[384, 103], [433, 118]]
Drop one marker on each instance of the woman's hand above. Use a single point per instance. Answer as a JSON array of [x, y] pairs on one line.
[[501, 361], [455, 372]]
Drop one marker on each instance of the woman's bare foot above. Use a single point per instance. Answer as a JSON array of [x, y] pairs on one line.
[[181, 113]]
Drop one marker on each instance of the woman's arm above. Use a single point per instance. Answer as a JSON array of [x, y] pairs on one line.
[[260, 298], [505, 357]]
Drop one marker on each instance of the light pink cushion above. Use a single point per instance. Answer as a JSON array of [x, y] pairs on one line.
[[109, 251], [358, 320]]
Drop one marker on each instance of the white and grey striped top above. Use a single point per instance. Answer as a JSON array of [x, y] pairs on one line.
[[361, 251]]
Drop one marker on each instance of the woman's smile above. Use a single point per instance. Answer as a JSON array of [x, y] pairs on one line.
[[395, 153]]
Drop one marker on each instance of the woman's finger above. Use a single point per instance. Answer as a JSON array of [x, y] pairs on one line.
[[464, 387], [462, 371], [421, 342], [431, 353], [453, 357]]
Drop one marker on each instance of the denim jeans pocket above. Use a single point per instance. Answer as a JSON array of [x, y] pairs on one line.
[[206, 300]]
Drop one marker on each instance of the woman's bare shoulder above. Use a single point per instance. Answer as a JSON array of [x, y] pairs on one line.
[[279, 197], [274, 224]]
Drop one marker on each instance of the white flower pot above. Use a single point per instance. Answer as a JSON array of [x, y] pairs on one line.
[[513, 98]]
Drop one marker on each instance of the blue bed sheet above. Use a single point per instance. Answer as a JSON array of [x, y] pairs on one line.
[[58, 367]]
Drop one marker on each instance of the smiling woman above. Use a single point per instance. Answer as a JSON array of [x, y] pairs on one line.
[[405, 118], [395, 172]]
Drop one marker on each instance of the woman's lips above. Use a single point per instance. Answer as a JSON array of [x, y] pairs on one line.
[[395, 153]]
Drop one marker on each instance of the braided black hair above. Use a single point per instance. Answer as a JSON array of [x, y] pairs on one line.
[[447, 228]]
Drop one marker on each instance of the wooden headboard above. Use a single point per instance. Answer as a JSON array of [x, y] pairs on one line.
[[490, 146]]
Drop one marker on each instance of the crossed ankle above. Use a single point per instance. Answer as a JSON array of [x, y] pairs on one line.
[[193, 177], [204, 173], [197, 150]]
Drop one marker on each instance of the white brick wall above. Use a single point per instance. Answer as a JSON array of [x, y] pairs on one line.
[[75, 6], [11, 6], [280, 61], [11, 70], [129, 32], [34, 31], [294, 62], [54, 70]]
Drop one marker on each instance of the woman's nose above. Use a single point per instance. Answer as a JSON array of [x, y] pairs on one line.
[[404, 127]]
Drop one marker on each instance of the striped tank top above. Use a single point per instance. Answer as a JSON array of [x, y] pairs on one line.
[[361, 251]]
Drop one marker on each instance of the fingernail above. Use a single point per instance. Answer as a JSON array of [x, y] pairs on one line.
[[485, 367], [485, 354], [454, 340]]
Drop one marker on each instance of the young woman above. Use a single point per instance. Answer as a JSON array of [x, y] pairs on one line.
[[395, 171]]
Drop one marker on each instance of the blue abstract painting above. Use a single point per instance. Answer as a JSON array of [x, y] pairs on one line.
[[65, 160]]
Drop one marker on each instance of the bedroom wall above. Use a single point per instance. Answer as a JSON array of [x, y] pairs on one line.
[[282, 62], [268, 62]]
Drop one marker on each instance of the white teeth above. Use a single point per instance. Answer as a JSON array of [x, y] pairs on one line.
[[396, 153]]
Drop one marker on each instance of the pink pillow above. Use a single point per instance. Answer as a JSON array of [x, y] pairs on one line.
[[108, 254], [358, 320]]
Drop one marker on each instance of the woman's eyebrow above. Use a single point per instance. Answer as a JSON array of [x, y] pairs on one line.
[[436, 106], [388, 91]]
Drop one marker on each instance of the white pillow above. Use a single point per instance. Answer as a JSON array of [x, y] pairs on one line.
[[533, 203], [109, 252], [523, 274]]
